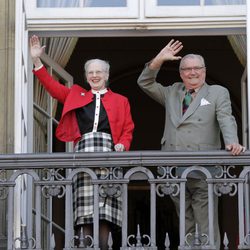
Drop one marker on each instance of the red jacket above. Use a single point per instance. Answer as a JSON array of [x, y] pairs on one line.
[[116, 106]]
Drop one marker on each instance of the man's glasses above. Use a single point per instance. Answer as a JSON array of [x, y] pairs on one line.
[[189, 70]]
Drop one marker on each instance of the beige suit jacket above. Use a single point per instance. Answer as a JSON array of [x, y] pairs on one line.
[[199, 128]]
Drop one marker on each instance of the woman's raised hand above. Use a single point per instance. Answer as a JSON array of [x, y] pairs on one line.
[[36, 50]]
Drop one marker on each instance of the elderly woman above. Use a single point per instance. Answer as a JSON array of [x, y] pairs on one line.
[[98, 120]]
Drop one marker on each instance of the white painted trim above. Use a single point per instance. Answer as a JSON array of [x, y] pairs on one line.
[[136, 28], [20, 113], [17, 106], [20, 143]]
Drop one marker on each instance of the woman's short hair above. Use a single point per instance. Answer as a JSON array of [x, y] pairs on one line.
[[105, 64]]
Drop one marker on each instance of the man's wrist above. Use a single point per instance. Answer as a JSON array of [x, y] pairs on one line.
[[155, 64]]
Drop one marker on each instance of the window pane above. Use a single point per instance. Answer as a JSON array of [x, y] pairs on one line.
[[178, 2], [57, 3], [77, 3], [105, 3], [224, 2]]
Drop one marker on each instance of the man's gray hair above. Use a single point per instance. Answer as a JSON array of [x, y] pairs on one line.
[[193, 56], [105, 64]]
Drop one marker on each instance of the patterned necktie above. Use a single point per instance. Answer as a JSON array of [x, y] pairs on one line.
[[187, 100]]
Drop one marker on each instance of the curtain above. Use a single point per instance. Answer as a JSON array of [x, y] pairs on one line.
[[88, 3], [107, 3], [239, 45], [225, 2], [57, 3], [59, 48], [76, 3]]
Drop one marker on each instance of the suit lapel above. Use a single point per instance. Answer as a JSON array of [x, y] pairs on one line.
[[180, 101], [176, 109], [203, 92]]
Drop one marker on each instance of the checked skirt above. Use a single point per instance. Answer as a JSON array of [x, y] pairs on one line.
[[110, 208]]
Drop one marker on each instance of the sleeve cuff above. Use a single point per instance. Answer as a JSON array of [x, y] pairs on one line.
[[37, 68]]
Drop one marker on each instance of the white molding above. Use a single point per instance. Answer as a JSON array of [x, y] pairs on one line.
[[137, 28], [20, 144], [18, 87], [141, 33]]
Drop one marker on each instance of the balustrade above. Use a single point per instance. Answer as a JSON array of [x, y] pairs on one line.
[[35, 177]]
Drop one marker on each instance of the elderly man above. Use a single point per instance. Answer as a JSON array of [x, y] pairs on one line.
[[196, 113]]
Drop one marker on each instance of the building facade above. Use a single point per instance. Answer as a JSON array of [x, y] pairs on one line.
[[128, 33]]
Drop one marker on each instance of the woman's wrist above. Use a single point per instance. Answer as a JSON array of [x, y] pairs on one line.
[[37, 62]]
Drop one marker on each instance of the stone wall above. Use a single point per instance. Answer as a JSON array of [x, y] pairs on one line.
[[7, 69]]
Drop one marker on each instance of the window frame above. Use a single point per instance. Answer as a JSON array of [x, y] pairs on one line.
[[131, 11], [153, 10]]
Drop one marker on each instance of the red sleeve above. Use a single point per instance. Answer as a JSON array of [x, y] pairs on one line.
[[55, 88], [128, 127]]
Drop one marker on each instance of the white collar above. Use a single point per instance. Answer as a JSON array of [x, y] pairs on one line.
[[101, 92]]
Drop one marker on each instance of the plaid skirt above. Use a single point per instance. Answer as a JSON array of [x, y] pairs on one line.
[[110, 208]]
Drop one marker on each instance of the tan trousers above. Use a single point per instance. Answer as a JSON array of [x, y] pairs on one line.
[[197, 208]]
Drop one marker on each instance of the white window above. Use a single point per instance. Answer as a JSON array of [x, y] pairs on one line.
[[82, 9], [196, 8]]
